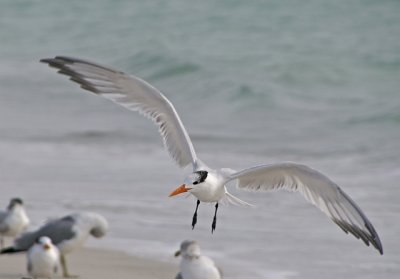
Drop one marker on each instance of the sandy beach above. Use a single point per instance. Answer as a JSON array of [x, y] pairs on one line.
[[91, 263]]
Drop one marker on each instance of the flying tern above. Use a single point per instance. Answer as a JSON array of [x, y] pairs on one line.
[[205, 183]]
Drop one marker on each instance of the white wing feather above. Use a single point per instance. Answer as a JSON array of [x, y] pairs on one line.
[[317, 189], [135, 94]]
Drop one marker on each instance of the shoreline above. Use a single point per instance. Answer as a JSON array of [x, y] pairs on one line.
[[95, 263]]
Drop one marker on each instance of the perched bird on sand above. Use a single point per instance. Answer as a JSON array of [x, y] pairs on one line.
[[43, 258], [67, 233], [194, 265], [13, 221], [205, 183]]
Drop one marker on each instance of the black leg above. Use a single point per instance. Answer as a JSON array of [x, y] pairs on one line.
[[194, 221], [214, 223]]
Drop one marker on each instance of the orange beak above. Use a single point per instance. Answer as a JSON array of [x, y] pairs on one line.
[[46, 247], [181, 189]]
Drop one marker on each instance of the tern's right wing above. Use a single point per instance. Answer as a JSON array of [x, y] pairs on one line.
[[134, 94], [317, 189]]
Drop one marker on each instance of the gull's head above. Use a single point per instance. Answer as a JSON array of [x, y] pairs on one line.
[[191, 182], [99, 225], [189, 249], [15, 202], [45, 242]]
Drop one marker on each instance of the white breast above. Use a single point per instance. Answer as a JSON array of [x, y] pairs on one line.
[[17, 221], [211, 190], [42, 263], [199, 268]]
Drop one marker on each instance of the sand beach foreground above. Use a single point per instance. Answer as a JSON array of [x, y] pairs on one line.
[[91, 263]]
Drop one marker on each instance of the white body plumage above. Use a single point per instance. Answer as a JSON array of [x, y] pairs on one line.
[[43, 259], [211, 190], [14, 220], [17, 221], [194, 265]]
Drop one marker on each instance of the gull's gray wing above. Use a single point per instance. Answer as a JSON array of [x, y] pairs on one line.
[[57, 230], [317, 189], [3, 215], [134, 94]]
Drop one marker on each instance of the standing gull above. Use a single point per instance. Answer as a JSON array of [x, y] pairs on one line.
[[13, 221], [43, 258], [205, 183], [67, 233], [194, 265]]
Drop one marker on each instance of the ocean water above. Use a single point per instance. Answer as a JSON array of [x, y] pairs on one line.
[[315, 82]]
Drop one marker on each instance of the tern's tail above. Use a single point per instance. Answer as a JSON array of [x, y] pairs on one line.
[[236, 201], [229, 198]]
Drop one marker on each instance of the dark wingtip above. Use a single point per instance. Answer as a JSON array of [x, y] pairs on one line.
[[46, 60], [375, 237], [57, 62], [9, 250], [65, 60], [368, 239], [378, 245]]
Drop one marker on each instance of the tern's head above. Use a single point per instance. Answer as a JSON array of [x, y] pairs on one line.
[[191, 182], [15, 202], [189, 249], [45, 242]]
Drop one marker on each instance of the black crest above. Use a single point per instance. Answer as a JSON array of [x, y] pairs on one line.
[[202, 177], [13, 202]]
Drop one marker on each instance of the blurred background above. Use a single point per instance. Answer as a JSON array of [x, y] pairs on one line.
[[315, 82]]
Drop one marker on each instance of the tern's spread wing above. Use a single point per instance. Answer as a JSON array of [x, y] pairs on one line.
[[317, 189], [134, 94]]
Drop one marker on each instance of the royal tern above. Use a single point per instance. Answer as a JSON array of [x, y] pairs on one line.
[[43, 258], [206, 184], [194, 265], [67, 233], [14, 220]]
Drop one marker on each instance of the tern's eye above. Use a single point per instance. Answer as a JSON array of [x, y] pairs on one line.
[[201, 176], [196, 178]]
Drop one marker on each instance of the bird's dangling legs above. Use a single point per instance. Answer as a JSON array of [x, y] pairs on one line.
[[194, 220], [214, 223]]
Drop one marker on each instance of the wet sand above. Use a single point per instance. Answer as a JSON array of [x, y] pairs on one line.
[[89, 263]]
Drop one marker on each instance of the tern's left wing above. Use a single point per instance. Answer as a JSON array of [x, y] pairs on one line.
[[134, 94], [317, 189]]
